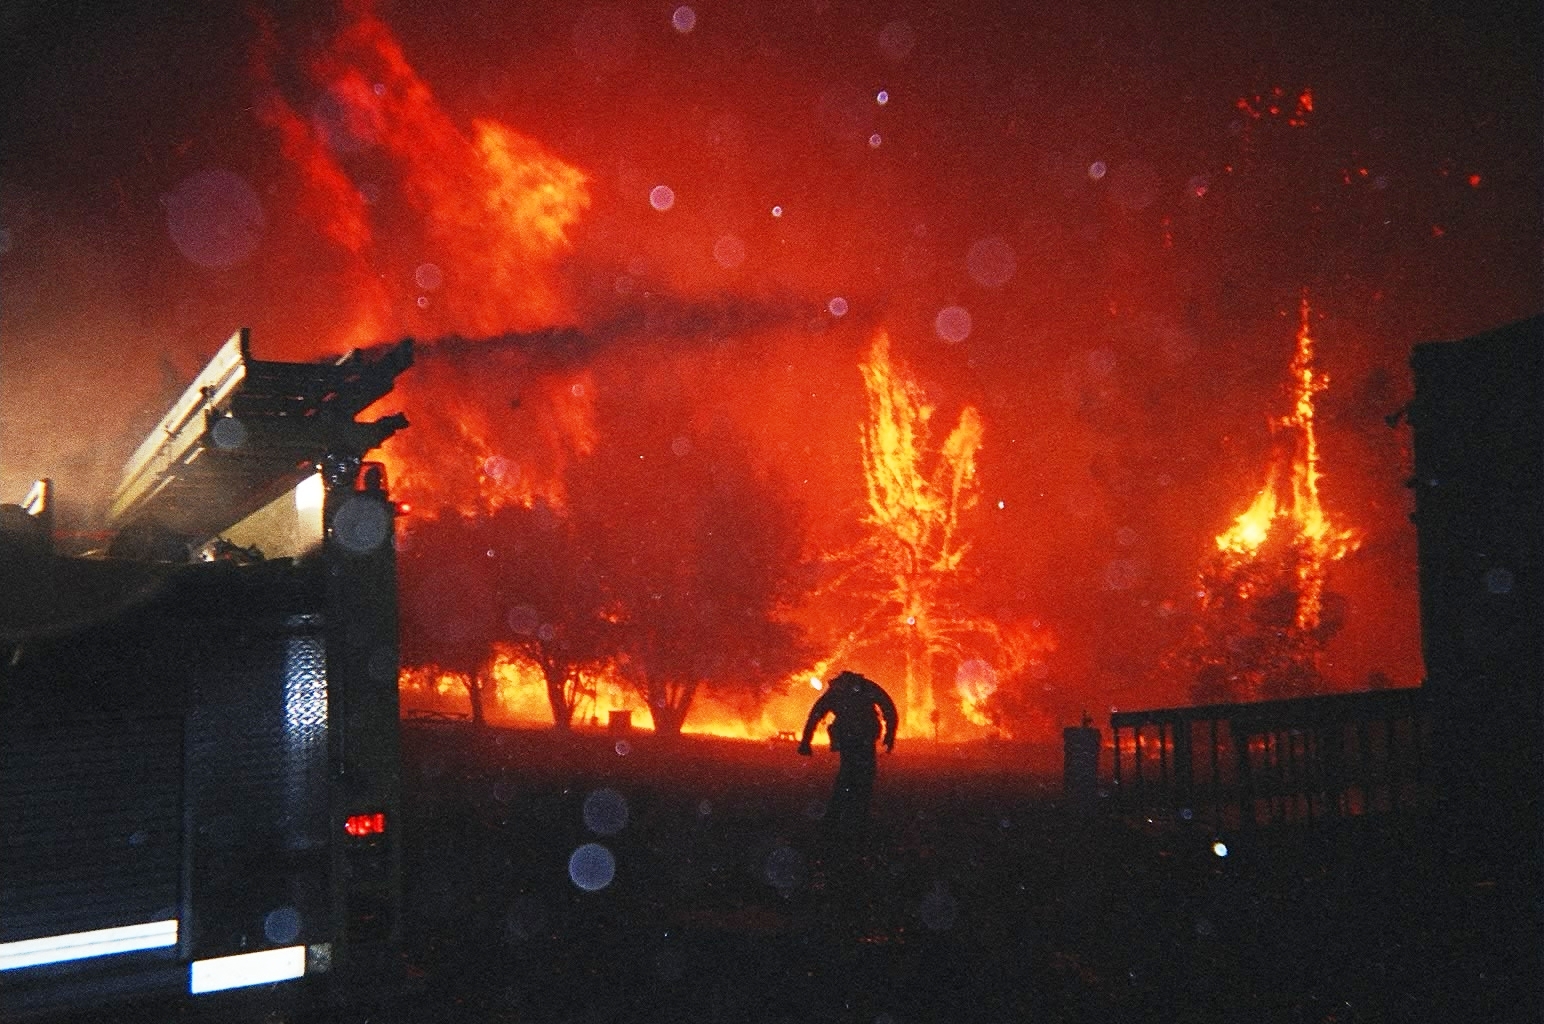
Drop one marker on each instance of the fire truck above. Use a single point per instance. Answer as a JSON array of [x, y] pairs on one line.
[[199, 751]]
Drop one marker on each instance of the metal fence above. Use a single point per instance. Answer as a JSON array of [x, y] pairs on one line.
[[1305, 759]]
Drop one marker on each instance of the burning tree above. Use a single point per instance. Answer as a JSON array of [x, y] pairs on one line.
[[697, 555], [908, 571], [449, 610], [1264, 614], [548, 589]]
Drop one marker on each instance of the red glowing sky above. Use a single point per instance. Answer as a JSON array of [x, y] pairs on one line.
[[1141, 239]]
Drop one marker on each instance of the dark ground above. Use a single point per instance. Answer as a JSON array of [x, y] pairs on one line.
[[977, 897]]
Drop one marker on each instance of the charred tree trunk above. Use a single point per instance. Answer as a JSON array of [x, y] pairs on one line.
[[669, 704], [917, 716], [474, 692], [560, 696]]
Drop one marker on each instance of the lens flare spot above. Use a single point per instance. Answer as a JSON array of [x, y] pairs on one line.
[[874, 141], [1097, 170], [361, 524], [592, 867], [428, 276], [605, 812], [837, 306], [683, 19], [281, 926], [952, 324], [229, 433], [662, 197], [496, 468], [1220, 848], [523, 620], [777, 211], [214, 218], [883, 97], [784, 868]]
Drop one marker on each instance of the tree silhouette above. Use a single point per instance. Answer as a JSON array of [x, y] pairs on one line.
[[548, 590], [1248, 640], [697, 555], [449, 610]]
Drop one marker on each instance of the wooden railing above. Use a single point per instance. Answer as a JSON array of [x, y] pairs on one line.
[[1305, 759]]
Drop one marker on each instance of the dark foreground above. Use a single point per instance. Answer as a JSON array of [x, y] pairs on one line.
[[976, 897]]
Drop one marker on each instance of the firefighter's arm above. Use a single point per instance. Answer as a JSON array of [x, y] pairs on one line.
[[822, 706], [887, 708]]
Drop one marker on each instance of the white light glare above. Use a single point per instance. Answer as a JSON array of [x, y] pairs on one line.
[[54, 949], [244, 969], [1220, 848], [310, 493]]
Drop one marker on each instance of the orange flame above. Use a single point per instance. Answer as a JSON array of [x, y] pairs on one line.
[[1298, 509], [489, 209], [909, 573], [441, 231], [518, 697]]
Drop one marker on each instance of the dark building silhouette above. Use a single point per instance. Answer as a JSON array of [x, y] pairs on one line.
[[1479, 516]]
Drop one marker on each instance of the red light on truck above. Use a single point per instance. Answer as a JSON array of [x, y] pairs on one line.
[[365, 824]]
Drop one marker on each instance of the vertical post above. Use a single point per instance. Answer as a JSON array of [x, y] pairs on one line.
[[1246, 794], [1268, 767], [1311, 773], [1136, 730], [1216, 778], [1395, 773], [1080, 766], [1115, 738], [1363, 772], [1184, 768], [1292, 774]]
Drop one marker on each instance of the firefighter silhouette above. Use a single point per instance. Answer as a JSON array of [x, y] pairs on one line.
[[857, 704]]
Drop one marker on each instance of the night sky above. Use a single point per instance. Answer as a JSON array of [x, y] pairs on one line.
[[1128, 203]]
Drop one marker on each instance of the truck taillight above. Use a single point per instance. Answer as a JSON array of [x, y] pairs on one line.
[[365, 824]]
